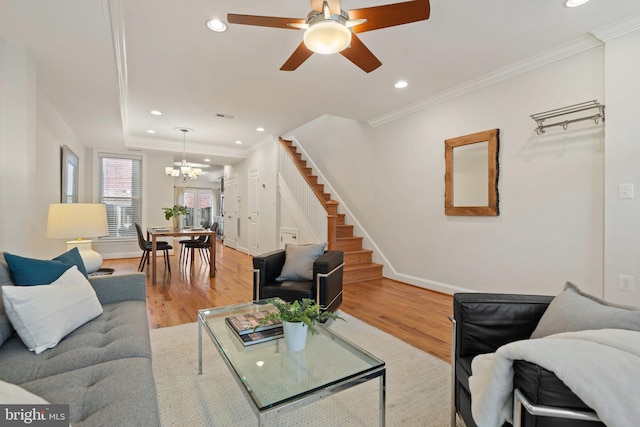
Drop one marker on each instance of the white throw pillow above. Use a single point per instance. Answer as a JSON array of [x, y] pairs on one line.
[[11, 394], [44, 314]]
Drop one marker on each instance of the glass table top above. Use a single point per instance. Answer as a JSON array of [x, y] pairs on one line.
[[273, 375]]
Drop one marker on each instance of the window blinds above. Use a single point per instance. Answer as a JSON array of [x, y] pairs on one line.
[[121, 192]]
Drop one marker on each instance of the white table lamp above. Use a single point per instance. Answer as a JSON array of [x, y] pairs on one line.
[[79, 221]]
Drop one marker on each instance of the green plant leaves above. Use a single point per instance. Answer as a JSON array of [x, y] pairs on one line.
[[305, 311], [176, 210]]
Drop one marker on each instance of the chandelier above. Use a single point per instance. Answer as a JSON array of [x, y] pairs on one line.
[[185, 168]]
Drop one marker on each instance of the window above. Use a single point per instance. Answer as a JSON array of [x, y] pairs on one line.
[[120, 191]]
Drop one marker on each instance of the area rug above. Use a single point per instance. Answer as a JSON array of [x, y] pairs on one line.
[[418, 385]]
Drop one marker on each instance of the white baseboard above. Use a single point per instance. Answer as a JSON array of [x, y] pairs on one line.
[[431, 285]]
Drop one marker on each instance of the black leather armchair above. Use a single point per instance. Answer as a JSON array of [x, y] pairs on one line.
[[484, 322], [325, 288]]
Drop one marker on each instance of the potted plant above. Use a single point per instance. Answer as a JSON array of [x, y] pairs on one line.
[[175, 213], [297, 318]]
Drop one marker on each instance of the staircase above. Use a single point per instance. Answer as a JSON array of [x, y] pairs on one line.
[[358, 261]]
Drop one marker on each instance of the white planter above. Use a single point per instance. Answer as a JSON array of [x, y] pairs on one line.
[[295, 335]]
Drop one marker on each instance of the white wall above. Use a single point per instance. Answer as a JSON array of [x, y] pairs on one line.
[[159, 189], [263, 158], [18, 143], [622, 165], [31, 134], [52, 132], [550, 228]]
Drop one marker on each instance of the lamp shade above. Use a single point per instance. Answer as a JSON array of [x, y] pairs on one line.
[[76, 220]]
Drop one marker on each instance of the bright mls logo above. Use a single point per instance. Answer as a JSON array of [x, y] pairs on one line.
[[34, 415]]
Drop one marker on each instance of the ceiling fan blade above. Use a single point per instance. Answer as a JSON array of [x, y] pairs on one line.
[[334, 5], [360, 55], [296, 59], [390, 15], [264, 21]]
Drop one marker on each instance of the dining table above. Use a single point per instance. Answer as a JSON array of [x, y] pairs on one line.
[[154, 232]]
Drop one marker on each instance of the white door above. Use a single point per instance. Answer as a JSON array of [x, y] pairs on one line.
[[200, 203], [231, 212], [254, 211]]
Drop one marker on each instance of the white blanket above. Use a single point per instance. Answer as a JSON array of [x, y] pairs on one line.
[[602, 367]]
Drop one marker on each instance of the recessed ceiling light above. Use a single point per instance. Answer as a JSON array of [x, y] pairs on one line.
[[216, 25], [260, 129], [207, 160], [401, 84], [574, 3], [156, 112], [151, 131], [238, 142]]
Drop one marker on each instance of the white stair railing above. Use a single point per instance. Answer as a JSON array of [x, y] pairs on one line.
[[309, 214]]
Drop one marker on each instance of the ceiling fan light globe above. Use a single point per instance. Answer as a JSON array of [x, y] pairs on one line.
[[574, 3], [327, 37]]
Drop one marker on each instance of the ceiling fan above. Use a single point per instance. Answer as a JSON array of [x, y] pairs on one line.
[[329, 29]]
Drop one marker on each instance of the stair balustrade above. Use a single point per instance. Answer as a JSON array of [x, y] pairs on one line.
[[316, 214], [312, 213]]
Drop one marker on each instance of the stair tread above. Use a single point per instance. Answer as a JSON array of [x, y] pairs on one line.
[[352, 267]]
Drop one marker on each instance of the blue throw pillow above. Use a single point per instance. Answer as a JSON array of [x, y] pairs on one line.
[[29, 271], [72, 257]]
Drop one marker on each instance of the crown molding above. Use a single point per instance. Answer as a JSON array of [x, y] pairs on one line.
[[153, 144], [566, 50], [618, 28], [116, 18], [268, 139]]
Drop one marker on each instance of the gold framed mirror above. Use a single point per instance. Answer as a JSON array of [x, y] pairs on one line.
[[471, 176]]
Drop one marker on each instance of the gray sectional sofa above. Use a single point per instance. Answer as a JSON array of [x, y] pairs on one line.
[[102, 369]]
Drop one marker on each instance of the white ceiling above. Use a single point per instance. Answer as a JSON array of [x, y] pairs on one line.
[[176, 65]]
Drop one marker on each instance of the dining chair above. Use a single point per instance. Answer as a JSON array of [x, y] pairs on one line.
[[200, 239], [145, 245], [203, 246]]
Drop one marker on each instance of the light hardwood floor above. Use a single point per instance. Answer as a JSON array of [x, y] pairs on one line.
[[412, 314]]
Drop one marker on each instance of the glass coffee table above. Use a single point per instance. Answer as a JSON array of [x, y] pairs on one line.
[[276, 380]]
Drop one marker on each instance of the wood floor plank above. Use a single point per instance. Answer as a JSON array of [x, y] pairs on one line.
[[412, 314]]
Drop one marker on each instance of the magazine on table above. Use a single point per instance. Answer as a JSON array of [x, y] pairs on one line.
[[244, 324], [262, 336]]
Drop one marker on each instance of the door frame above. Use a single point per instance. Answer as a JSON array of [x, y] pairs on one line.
[[254, 212], [231, 208]]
